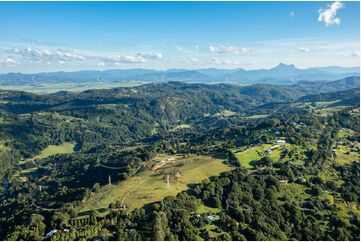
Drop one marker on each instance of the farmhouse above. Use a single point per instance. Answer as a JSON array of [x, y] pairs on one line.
[[210, 217], [280, 142], [270, 149]]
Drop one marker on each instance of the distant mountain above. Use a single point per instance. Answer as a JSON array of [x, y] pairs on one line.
[[339, 70], [280, 74], [287, 74]]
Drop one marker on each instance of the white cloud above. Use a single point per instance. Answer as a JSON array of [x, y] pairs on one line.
[[124, 59], [151, 55], [303, 49], [9, 62], [329, 15], [222, 49], [69, 55], [59, 56], [48, 56], [129, 58], [226, 61]]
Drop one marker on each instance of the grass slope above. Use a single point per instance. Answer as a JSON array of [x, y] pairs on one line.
[[64, 148], [151, 186]]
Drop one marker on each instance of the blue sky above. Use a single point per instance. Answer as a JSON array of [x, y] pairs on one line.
[[51, 36]]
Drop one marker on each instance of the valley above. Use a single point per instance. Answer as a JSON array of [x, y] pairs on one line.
[[204, 157], [180, 120]]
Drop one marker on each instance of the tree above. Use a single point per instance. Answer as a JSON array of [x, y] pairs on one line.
[[316, 190], [266, 161], [96, 187], [60, 219], [160, 225]]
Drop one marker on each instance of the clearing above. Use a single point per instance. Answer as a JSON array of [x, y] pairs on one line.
[[248, 157], [152, 186], [64, 148]]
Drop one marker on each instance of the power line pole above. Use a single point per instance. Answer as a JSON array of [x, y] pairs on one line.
[[168, 181]]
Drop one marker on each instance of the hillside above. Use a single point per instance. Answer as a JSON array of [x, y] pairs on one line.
[[120, 159], [352, 93]]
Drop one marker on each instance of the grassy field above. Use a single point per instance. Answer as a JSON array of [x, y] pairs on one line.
[[257, 116], [64, 148], [293, 192], [355, 112], [249, 156], [325, 103], [181, 126], [344, 152], [225, 113], [326, 111], [151, 186], [344, 133], [205, 209], [344, 156]]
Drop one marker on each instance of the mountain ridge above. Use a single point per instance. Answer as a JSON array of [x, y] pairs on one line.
[[286, 74]]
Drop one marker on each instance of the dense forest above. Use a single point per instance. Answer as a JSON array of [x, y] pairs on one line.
[[288, 163]]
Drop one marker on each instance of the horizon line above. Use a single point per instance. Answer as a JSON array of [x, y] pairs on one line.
[[186, 69]]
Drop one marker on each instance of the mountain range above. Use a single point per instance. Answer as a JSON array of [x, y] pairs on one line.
[[280, 74]]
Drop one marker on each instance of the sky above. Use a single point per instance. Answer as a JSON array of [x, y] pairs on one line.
[[71, 36]]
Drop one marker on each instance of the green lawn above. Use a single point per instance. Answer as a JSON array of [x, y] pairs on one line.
[[205, 209], [147, 187], [64, 148], [249, 156]]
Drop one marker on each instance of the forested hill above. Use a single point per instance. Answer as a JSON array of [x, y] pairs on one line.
[[174, 95], [333, 86], [332, 96]]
